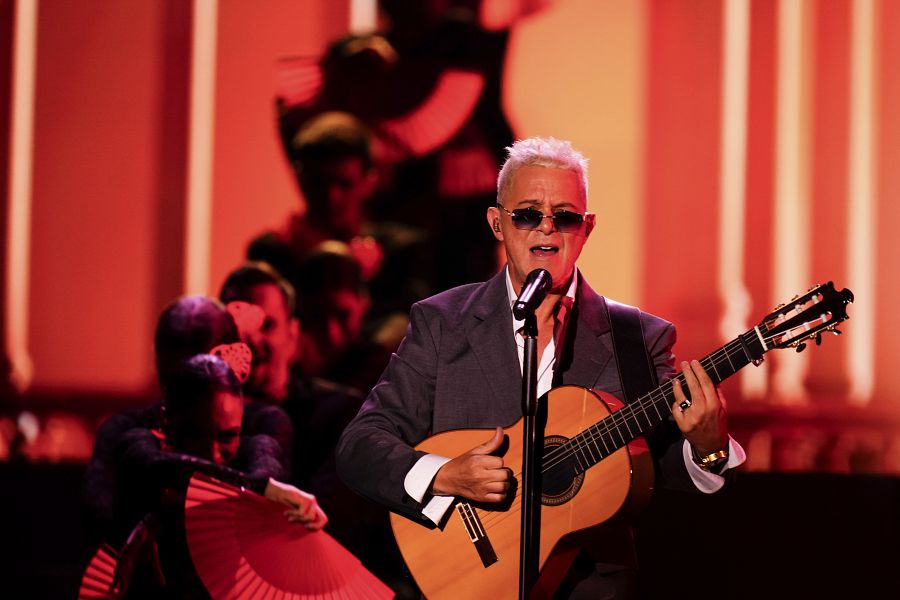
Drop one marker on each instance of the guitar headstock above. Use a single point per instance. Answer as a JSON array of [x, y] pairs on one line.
[[806, 317]]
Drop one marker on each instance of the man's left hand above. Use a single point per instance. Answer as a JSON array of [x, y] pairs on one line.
[[704, 422]]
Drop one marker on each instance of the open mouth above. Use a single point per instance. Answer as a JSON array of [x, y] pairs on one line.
[[544, 251]]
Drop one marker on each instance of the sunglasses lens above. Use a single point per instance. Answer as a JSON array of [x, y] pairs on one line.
[[566, 221], [530, 218], [526, 218]]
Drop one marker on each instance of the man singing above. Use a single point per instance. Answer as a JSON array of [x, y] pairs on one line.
[[460, 367]]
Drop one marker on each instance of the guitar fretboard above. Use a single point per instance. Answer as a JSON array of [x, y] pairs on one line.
[[640, 416]]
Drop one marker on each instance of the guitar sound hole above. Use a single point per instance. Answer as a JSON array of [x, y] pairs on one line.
[[560, 478]]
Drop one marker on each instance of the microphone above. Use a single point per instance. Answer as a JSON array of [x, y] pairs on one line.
[[536, 286]]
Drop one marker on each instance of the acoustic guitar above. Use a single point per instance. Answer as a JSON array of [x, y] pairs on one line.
[[593, 465]]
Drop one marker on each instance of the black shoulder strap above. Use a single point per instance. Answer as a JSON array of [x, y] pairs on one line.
[[636, 370]]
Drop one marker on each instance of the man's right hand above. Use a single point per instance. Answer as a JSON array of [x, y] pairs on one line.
[[476, 475]]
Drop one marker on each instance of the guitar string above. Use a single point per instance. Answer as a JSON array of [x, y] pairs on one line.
[[600, 430], [581, 441], [628, 412], [493, 517]]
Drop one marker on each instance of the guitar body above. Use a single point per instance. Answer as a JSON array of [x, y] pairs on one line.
[[445, 561]]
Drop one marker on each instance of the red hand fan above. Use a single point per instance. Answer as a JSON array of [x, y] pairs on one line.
[[238, 356], [417, 131], [440, 116], [243, 548], [98, 576]]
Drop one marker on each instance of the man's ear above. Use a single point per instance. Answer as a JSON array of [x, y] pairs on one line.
[[493, 219], [590, 219]]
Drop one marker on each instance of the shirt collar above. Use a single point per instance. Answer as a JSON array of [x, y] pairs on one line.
[[567, 301]]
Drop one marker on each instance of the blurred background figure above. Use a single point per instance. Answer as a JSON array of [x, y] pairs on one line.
[[189, 326], [341, 340], [428, 84], [319, 409], [202, 411], [331, 157]]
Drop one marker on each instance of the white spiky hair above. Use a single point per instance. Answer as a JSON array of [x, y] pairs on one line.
[[542, 152]]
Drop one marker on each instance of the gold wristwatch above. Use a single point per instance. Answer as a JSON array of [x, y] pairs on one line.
[[710, 461]]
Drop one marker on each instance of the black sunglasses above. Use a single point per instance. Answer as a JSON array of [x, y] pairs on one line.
[[564, 221]]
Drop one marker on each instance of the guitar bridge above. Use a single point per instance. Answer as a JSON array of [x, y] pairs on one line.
[[476, 532]]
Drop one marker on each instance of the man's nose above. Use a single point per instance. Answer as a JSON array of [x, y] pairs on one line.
[[548, 225]]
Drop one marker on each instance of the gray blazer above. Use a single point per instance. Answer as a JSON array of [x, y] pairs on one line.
[[458, 368]]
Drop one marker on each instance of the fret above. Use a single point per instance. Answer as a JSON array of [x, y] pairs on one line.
[[580, 452], [581, 466], [639, 424], [745, 348], [622, 441], [592, 440], [602, 439], [579, 442], [655, 406], [711, 364], [588, 444], [647, 418], [586, 449], [609, 430], [600, 455], [609, 444], [624, 420], [730, 364], [667, 394]]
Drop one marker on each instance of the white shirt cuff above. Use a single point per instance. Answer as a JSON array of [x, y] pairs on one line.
[[437, 507], [708, 482], [419, 479]]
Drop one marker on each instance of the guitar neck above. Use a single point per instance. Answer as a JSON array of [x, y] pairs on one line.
[[640, 416]]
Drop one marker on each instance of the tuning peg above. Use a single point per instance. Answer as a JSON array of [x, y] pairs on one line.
[[801, 347], [837, 331], [818, 339]]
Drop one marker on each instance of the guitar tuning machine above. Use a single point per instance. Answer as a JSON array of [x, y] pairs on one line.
[[818, 339], [801, 347]]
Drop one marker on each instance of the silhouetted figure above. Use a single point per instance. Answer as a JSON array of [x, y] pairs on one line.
[[201, 433], [319, 411], [429, 85], [188, 326], [332, 160]]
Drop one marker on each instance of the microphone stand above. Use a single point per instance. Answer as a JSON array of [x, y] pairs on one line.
[[531, 484]]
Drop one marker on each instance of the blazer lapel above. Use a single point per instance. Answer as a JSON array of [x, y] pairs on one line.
[[589, 345], [584, 362], [490, 336]]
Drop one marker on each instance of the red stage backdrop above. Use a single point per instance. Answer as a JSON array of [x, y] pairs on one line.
[[740, 151]]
